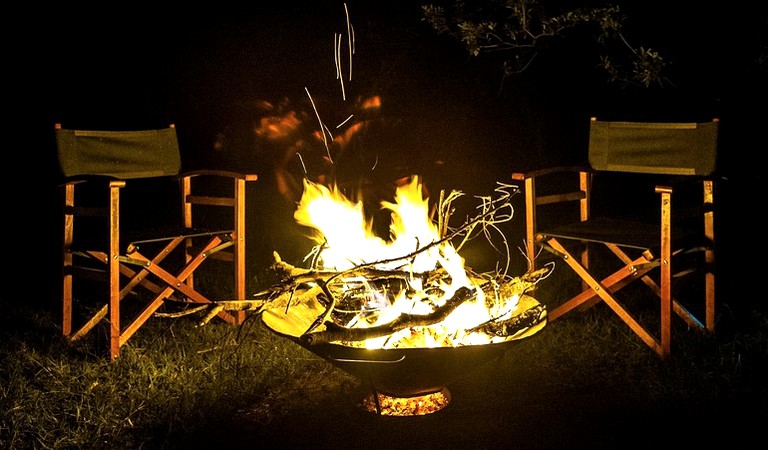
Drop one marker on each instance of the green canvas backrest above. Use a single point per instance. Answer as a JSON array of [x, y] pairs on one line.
[[119, 154], [655, 148]]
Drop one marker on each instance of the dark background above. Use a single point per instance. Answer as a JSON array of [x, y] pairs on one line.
[[209, 69]]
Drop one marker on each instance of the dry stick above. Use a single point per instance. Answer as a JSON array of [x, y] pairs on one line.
[[353, 272], [174, 315], [336, 333]]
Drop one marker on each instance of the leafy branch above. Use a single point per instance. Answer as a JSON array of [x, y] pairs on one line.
[[522, 29]]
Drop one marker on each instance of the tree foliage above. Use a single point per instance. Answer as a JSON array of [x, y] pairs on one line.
[[523, 29]]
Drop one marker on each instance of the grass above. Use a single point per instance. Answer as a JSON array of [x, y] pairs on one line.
[[177, 385], [172, 376]]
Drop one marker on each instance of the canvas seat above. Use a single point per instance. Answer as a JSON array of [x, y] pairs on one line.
[[129, 223], [643, 210]]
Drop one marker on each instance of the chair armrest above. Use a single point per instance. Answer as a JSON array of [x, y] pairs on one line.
[[565, 193], [220, 173], [520, 176], [559, 193]]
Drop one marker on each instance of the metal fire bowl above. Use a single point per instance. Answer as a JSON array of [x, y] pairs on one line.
[[402, 372]]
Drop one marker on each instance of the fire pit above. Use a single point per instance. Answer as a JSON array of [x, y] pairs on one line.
[[400, 312], [400, 373], [404, 316]]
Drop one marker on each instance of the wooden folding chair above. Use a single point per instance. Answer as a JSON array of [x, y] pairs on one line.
[[659, 245], [101, 167]]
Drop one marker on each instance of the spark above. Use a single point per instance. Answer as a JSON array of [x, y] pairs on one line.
[[345, 121], [301, 160], [337, 60], [350, 40], [322, 126]]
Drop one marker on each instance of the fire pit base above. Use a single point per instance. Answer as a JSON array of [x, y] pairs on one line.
[[420, 405]]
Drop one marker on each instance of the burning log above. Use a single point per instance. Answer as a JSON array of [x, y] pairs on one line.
[[512, 326], [337, 333]]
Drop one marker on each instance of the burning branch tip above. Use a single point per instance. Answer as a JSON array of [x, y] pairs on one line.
[[515, 324]]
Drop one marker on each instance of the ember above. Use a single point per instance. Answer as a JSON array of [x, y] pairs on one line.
[[419, 405]]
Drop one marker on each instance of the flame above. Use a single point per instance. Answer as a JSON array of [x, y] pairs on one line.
[[278, 127], [373, 102], [286, 130], [346, 240]]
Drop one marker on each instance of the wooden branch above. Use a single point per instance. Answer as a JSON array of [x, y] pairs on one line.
[[509, 327], [334, 333], [186, 312]]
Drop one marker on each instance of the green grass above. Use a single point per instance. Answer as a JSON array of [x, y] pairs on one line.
[[174, 380], [170, 378]]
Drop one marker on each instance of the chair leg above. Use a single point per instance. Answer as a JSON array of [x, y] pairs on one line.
[[239, 247], [677, 308], [119, 336], [69, 221], [114, 269], [604, 291], [176, 283], [709, 231]]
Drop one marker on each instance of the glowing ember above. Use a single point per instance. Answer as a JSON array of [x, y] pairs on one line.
[[420, 405]]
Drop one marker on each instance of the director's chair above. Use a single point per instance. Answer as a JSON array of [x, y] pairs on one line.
[[660, 242], [131, 248]]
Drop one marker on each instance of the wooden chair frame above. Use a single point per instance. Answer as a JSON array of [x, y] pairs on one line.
[[631, 268], [127, 267]]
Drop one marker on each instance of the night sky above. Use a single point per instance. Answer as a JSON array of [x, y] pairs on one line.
[[210, 69]]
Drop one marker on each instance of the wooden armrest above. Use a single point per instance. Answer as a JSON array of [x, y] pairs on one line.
[[221, 173], [547, 171]]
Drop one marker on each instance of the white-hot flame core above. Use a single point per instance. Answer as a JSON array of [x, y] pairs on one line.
[[414, 246]]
